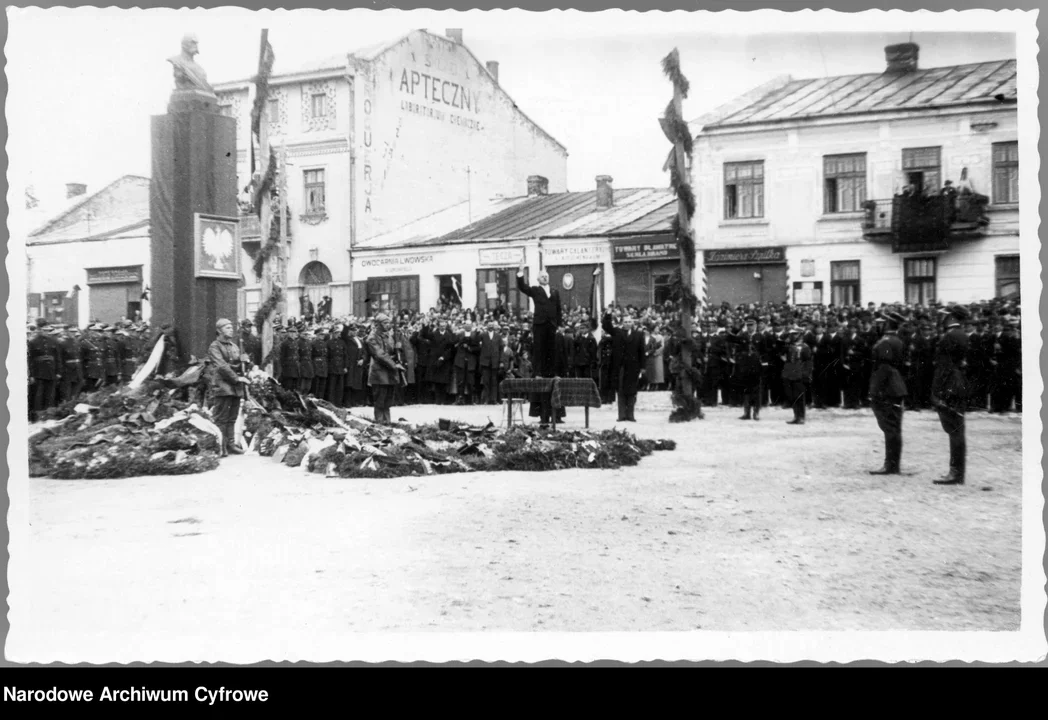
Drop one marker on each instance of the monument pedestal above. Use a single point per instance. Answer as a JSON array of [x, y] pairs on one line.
[[194, 171]]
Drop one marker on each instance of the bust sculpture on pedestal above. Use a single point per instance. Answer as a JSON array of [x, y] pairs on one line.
[[191, 85]]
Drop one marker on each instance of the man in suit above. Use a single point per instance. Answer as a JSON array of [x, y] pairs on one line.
[[887, 390], [950, 390], [489, 359], [544, 324], [627, 363]]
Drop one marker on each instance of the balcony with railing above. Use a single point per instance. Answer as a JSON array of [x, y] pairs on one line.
[[914, 222]]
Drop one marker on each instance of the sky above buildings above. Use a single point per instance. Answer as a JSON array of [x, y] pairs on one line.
[[84, 82]]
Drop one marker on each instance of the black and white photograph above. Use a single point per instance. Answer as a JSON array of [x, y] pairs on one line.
[[382, 335]]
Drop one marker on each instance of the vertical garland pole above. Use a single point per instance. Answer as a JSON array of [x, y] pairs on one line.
[[285, 218], [261, 121], [685, 406]]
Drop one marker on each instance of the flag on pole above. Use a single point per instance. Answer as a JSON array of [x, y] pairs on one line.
[[455, 287], [596, 299]]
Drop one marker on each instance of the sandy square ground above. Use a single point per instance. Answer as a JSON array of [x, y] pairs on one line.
[[747, 526]]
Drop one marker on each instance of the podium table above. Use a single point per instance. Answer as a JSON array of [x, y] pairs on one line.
[[562, 392]]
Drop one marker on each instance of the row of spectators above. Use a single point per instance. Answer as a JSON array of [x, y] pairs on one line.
[[456, 355]]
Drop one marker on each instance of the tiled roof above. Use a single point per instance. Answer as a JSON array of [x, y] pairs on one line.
[[573, 214], [879, 92]]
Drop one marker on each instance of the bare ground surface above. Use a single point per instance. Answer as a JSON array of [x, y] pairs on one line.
[[746, 526]]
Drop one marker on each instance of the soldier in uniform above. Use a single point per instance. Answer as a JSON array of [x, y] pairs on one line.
[[950, 390], [111, 355], [126, 346], [887, 390], [747, 374], [320, 363], [250, 343], [44, 365], [354, 394], [796, 375], [384, 370], [289, 365], [305, 360], [336, 365], [93, 347], [72, 364], [228, 383]]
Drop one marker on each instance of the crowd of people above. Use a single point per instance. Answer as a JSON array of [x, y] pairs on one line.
[[746, 356]]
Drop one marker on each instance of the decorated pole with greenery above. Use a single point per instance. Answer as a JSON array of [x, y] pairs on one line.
[[685, 405], [268, 262]]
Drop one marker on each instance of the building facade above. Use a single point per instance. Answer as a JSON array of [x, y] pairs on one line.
[[892, 187], [91, 261], [623, 234], [378, 139]]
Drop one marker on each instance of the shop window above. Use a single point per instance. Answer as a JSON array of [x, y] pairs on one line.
[[844, 283], [807, 293], [318, 103], [503, 281], [225, 109], [744, 190], [922, 168], [273, 111], [314, 192], [1006, 172], [844, 182], [391, 295], [1007, 275], [661, 288], [919, 277]]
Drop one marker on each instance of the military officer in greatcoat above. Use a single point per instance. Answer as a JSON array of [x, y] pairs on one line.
[[336, 347], [44, 368], [251, 343], [320, 363], [110, 355], [72, 364], [94, 357], [305, 360], [887, 390], [950, 390], [289, 363]]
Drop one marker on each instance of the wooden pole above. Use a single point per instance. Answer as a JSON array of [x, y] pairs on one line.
[[285, 212], [265, 208], [685, 269]]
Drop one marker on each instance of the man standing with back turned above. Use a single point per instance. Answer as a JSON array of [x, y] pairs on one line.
[[543, 330], [950, 390], [887, 390]]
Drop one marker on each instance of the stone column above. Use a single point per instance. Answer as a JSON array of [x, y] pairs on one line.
[[194, 171]]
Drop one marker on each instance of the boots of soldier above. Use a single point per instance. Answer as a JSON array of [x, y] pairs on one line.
[[231, 443], [888, 468], [895, 455], [745, 409], [957, 462]]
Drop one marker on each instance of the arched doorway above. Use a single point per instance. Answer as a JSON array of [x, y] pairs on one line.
[[315, 280]]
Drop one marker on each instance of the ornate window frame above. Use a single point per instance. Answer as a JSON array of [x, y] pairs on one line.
[[327, 122]]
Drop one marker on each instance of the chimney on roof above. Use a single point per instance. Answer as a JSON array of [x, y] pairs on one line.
[[901, 58], [493, 70], [605, 195], [75, 189], [537, 185], [455, 34]]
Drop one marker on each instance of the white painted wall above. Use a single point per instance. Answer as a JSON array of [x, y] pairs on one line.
[[793, 196], [59, 267]]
